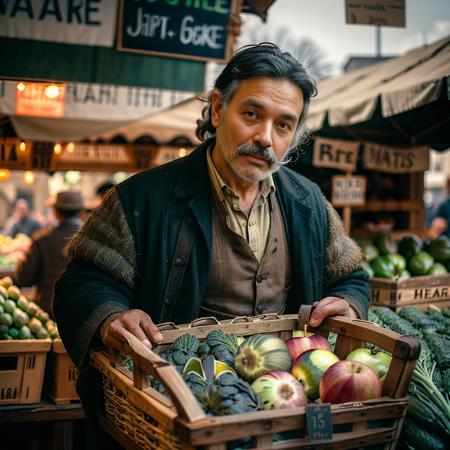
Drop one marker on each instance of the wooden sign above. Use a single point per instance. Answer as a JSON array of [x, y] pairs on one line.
[[40, 99], [191, 30], [318, 420], [14, 153], [388, 13], [348, 190], [336, 154], [395, 160]]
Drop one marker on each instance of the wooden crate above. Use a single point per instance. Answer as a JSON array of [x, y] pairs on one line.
[[152, 420], [22, 368], [415, 291], [61, 375]]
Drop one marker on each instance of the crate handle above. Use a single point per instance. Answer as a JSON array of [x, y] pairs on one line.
[[304, 314], [147, 362], [241, 319], [270, 316], [165, 326], [202, 321]]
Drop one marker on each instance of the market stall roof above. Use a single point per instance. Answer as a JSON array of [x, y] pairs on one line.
[[403, 99]]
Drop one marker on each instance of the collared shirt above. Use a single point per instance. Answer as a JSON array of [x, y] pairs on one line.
[[252, 225]]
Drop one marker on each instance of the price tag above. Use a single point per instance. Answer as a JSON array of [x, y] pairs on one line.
[[318, 420]]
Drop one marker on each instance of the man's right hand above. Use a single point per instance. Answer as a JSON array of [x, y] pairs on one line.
[[136, 322]]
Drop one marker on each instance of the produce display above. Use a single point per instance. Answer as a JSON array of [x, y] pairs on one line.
[[427, 424], [385, 257], [13, 250], [229, 374], [20, 318]]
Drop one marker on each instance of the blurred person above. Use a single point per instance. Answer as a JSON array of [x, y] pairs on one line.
[[440, 224], [21, 221], [46, 260]]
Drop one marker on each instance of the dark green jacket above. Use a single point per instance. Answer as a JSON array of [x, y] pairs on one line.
[[122, 260]]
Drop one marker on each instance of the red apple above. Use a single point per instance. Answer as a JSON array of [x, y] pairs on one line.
[[309, 368], [349, 381], [298, 345], [279, 390], [378, 361]]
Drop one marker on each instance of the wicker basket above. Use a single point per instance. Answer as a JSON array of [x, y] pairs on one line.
[[153, 421]]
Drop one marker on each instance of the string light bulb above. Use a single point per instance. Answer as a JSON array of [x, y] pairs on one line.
[[4, 174], [22, 146], [70, 147], [57, 149], [182, 152], [20, 86], [52, 91], [29, 177]]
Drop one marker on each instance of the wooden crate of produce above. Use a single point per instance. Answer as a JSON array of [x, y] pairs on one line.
[[61, 375], [22, 368], [152, 420], [415, 291]]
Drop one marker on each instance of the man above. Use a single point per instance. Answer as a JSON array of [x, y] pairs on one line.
[[45, 260], [225, 231], [21, 220], [441, 219]]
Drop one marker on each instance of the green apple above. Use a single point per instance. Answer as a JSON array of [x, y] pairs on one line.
[[378, 361]]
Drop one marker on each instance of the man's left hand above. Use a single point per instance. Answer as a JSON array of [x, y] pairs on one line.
[[330, 306]]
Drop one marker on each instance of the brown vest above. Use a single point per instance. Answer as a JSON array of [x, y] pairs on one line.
[[238, 285]]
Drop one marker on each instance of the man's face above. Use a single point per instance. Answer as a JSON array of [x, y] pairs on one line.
[[254, 131]]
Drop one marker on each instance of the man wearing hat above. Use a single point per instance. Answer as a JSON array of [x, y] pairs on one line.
[[45, 259]]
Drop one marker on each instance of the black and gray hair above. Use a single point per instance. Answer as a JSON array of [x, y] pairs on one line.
[[261, 60]]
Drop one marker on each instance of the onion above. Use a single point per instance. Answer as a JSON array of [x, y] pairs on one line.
[[279, 390]]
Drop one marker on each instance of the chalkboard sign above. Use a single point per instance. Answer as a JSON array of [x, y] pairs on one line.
[[190, 29]]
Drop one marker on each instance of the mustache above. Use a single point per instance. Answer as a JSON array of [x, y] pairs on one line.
[[255, 150]]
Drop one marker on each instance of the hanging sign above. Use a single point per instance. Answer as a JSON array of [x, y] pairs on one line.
[[336, 154], [40, 99], [14, 153], [85, 22], [348, 190], [388, 13], [184, 29], [395, 160]]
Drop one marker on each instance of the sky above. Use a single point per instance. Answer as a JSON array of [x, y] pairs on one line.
[[323, 21]]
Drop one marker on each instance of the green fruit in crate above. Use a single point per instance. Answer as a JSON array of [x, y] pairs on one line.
[[6, 282], [409, 246], [398, 261], [385, 244], [22, 303], [14, 292], [6, 319], [366, 267], [3, 293], [43, 316], [437, 269], [33, 309], [3, 328], [261, 354], [42, 333], [20, 318], [421, 263], [404, 275], [369, 251], [383, 267], [5, 337], [24, 333], [2, 310], [2, 301], [440, 249], [9, 306], [34, 325], [13, 332]]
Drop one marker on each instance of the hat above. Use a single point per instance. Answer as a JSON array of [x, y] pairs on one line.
[[69, 200]]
